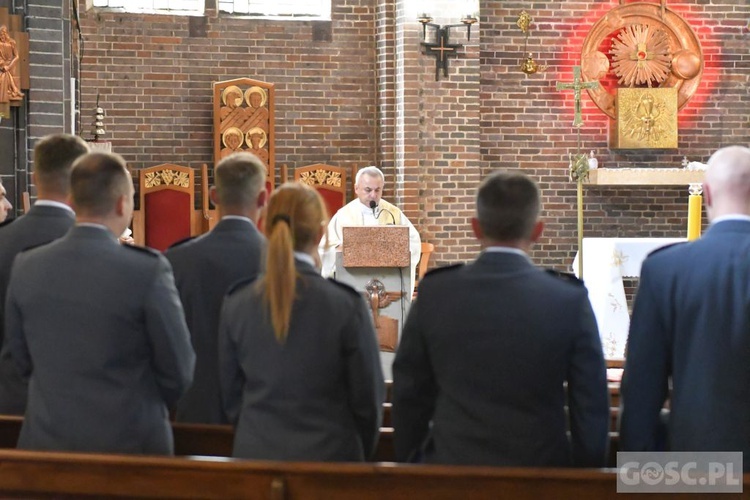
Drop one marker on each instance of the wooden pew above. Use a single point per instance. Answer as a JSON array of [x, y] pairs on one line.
[[68, 475], [216, 440]]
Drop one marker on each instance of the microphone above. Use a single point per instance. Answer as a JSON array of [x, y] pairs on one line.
[[374, 205]]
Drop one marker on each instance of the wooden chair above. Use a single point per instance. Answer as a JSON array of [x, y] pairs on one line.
[[328, 180], [424, 262], [25, 202], [167, 206]]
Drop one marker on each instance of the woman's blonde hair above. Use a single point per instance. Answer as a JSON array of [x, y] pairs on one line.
[[294, 218]]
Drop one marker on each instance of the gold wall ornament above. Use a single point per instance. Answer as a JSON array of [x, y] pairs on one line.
[[167, 177], [321, 177], [527, 65], [646, 118], [679, 42], [641, 55]]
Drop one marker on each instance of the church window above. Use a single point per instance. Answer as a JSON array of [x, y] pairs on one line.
[[317, 9], [191, 7]]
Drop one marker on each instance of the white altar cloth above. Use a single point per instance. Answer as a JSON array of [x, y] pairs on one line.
[[606, 261]]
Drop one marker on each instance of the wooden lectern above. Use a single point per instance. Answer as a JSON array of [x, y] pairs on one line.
[[376, 260]]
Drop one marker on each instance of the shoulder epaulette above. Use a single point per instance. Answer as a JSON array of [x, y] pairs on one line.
[[240, 283], [181, 242], [6, 222], [657, 250], [346, 287], [138, 248], [569, 277]]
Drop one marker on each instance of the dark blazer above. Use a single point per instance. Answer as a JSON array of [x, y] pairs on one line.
[[318, 396], [98, 328], [691, 323], [479, 375], [204, 269], [40, 225]]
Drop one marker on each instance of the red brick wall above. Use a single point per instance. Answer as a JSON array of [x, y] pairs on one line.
[[526, 124], [154, 73], [369, 96]]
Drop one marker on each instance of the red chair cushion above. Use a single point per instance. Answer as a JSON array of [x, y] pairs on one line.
[[167, 218]]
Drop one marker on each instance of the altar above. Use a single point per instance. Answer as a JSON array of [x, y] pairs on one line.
[[606, 262]]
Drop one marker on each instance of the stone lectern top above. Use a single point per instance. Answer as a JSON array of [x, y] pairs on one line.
[[376, 246]]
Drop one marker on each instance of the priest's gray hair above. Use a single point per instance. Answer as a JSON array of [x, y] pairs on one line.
[[372, 171]]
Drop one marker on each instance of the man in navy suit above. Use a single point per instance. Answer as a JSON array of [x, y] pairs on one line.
[[205, 268], [691, 325], [488, 347], [49, 219]]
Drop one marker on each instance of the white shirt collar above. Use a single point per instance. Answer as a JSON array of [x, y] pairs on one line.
[[731, 217], [52, 203], [305, 258], [239, 217]]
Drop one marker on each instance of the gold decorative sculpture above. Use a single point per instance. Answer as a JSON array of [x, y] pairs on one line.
[[14, 62], [528, 65], [641, 55], [641, 46], [645, 118], [244, 121], [321, 177], [167, 177]]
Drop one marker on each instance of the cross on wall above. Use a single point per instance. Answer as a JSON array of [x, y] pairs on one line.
[[441, 49]]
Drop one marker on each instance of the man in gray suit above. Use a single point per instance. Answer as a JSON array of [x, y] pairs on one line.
[[50, 218], [479, 377], [205, 268], [98, 328]]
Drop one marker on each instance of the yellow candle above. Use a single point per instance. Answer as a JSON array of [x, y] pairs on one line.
[[694, 217]]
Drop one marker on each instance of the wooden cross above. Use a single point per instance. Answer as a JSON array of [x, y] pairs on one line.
[[577, 85], [441, 48]]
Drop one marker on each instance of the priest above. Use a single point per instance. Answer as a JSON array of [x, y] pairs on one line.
[[369, 209]]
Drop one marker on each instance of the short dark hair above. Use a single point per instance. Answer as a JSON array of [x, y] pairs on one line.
[[96, 183], [508, 205], [238, 179], [53, 158]]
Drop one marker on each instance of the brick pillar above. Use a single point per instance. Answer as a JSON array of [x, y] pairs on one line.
[[49, 27], [436, 160]]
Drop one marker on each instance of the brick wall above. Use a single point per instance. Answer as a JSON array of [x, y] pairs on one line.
[[526, 124], [46, 108], [154, 74], [358, 90]]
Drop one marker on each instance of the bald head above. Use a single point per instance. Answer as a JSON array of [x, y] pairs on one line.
[[727, 182]]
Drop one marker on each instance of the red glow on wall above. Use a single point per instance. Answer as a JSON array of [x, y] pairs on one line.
[[575, 35]]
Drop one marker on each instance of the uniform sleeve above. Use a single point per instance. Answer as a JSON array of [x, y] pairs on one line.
[[588, 396], [13, 322], [414, 389], [231, 378], [645, 379], [365, 376], [173, 355]]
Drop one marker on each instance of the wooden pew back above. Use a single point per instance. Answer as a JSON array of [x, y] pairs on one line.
[[68, 475]]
